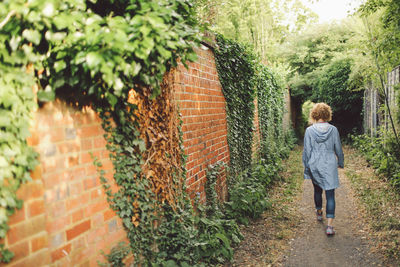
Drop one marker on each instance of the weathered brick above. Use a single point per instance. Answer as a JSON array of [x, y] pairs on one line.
[[41, 258], [79, 256], [99, 142], [30, 190], [26, 229], [70, 133], [89, 183], [71, 187], [57, 240], [78, 229], [97, 220], [86, 144], [51, 180], [36, 174], [73, 160], [112, 226], [69, 147], [18, 216], [60, 252], [97, 193], [75, 188], [90, 131], [108, 214], [74, 174], [96, 234], [53, 164], [58, 224], [76, 202], [77, 216], [57, 134], [56, 209], [35, 208], [39, 242], [96, 207], [20, 250], [79, 242]]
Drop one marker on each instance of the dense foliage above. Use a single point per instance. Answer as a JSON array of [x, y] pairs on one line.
[[323, 71], [382, 153], [262, 23], [380, 47], [243, 79], [236, 65], [381, 20], [337, 90], [271, 108]]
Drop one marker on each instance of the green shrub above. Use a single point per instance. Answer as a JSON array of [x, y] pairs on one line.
[[382, 153], [116, 256], [248, 197]]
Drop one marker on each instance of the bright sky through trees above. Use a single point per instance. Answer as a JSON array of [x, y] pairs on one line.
[[329, 10]]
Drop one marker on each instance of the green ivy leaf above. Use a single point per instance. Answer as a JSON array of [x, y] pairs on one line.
[[46, 96], [93, 59], [32, 35], [112, 99]]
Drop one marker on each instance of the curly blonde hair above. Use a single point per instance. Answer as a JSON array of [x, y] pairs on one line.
[[321, 111]]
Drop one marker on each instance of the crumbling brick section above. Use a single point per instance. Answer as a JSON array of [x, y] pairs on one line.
[[202, 105]]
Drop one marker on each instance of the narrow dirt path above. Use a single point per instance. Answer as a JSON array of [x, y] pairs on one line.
[[350, 245], [288, 234]]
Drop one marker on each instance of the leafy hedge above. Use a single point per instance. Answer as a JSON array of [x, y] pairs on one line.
[[383, 153], [343, 94]]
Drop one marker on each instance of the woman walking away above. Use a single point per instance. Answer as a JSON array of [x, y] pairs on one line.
[[322, 155]]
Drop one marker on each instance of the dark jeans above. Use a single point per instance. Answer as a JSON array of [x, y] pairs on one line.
[[330, 200]]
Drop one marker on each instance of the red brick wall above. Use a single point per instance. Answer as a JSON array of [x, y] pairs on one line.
[[65, 219], [202, 105]]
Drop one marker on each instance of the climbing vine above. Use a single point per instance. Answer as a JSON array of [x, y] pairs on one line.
[[270, 100], [17, 159], [236, 65], [243, 78]]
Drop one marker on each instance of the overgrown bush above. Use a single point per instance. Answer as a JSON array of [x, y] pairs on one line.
[[217, 233], [343, 94], [383, 153], [248, 197]]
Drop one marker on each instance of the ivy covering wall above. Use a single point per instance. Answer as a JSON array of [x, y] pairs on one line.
[[243, 78], [271, 107], [237, 66]]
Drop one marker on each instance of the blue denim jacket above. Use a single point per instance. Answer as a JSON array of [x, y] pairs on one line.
[[322, 155]]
